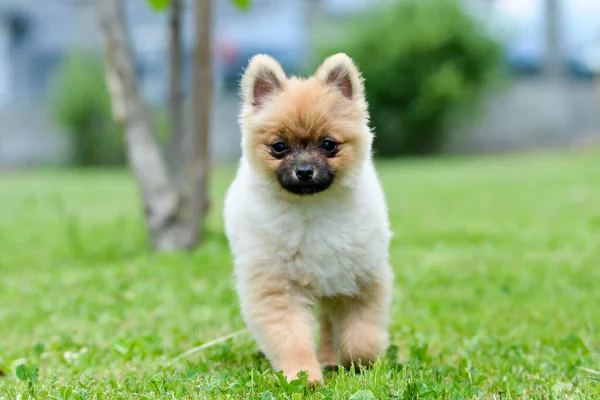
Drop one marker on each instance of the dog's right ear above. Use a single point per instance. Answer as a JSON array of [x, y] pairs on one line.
[[263, 78]]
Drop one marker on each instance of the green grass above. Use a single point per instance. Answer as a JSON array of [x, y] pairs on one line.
[[497, 294]]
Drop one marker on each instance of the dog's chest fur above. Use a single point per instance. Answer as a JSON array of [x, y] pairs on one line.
[[330, 244]]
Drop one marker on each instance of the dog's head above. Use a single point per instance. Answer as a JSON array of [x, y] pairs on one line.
[[305, 133]]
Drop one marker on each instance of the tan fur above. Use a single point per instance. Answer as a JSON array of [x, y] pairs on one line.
[[356, 324], [304, 110], [282, 312], [327, 353], [278, 275]]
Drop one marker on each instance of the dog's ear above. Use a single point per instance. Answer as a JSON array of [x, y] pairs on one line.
[[263, 78], [340, 72]]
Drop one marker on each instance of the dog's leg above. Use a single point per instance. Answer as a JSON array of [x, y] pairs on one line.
[[361, 324], [328, 356], [281, 320]]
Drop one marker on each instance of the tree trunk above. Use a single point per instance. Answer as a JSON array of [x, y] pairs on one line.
[[199, 170], [175, 90], [314, 20], [554, 55], [162, 202]]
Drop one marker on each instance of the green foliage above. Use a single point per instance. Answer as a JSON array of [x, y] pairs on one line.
[[29, 375], [363, 395], [495, 291], [81, 105], [160, 5], [243, 4], [426, 63], [22, 372]]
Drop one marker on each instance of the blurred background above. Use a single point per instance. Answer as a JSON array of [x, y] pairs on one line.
[[479, 76]]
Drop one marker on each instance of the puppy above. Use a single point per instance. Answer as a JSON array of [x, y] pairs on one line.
[[306, 219]]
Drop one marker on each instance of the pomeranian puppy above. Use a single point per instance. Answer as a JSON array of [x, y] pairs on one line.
[[306, 219]]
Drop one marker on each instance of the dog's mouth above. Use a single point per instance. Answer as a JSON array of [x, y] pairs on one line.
[[306, 188], [305, 176]]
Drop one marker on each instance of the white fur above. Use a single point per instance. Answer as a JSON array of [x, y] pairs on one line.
[[329, 243], [293, 252]]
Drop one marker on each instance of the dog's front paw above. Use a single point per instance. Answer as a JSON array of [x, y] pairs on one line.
[[328, 358]]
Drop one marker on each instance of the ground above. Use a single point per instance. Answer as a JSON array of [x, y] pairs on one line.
[[496, 292]]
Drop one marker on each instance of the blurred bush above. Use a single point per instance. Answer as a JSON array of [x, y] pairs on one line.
[[81, 105], [427, 64]]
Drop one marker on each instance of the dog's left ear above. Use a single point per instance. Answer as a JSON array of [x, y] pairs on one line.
[[340, 72]]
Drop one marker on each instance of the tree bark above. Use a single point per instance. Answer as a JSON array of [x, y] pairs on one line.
[[177, 158], [554, 54], [162, 202], [314, 18], [200, 164]]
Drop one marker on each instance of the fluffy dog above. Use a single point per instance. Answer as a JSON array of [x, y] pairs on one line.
[[307, 221]]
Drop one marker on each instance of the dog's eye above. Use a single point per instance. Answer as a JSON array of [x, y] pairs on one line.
[[329, 146], [278, 148]]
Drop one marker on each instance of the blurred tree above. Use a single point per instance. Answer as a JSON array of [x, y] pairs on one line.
[[176, 89], [427, 63], [174, 212], [554, 58], [199, 171], [314, 17], [80, 104]]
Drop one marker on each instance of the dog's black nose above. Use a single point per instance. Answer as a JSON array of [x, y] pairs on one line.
[[305, 172]]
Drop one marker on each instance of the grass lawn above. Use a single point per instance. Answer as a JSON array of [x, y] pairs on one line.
[[497, 293]]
